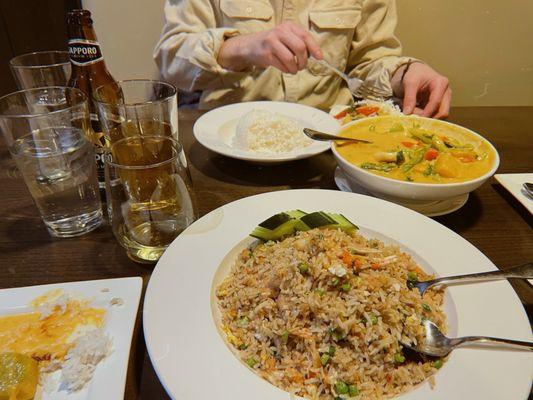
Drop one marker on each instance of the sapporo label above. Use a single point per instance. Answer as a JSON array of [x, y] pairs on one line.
[[84, 52], [100, 153]]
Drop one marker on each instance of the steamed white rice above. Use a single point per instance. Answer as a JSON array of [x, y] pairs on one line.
[[91, 345], [266, 132]]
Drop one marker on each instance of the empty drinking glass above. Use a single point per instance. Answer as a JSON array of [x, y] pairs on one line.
[[149, 194], [41, 69], [46, 132]]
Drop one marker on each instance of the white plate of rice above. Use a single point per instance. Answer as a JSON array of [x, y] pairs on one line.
[[97, 365], [194, 361], [264, 132]]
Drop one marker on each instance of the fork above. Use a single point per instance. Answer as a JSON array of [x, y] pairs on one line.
[[521, 271], [528, 188], [356, 86], [437, 345]]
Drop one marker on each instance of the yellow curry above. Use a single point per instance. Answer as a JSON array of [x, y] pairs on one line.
[[417, 150], [30, 338]]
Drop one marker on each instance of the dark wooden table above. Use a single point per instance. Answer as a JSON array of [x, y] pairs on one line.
[[492, 219]]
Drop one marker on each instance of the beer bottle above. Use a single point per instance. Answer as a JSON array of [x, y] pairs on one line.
[[88, 73]]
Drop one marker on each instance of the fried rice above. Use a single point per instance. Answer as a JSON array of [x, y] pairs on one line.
[[322, 315]]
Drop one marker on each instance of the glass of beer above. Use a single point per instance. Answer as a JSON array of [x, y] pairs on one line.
[[45, 130], [142, 108], [41, 69], [149, 194]]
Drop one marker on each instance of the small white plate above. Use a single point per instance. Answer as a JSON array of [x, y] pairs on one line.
[[216, 129], [513, 183], [428, 208], [193, 361], [110, 375]]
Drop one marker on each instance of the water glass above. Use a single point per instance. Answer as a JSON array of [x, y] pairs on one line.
[[41, 69], [46, 130], [149, 194], [144, 108]]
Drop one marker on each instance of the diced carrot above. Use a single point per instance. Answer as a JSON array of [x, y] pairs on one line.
[[342, 114], [295, 376], [347, 258], [358, 264], [408, 144], [270, 363], [431, 154], [375, 265], [367, 110]]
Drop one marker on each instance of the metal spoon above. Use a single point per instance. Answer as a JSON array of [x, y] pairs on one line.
[[326, 137], [521, 271], [438, 345], [529, 188]]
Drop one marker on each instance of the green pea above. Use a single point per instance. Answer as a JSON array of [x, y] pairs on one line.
[[399, 358], [373, 319], [334, 281], [251, 362], [437, 364], [411, 276], [324, 359], [341, 387], [426, 307], [242, 346], [353, 391], [303, 268], [284, 337], [244, 321], [345, 287], [331, 351], [338, 334], [320, 292]]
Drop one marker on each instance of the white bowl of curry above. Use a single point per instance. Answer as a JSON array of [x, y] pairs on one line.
[[415, 158]]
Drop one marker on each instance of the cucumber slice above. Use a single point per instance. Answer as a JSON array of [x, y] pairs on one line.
[[296, 213], [275, 221], [288, 228], [344, 223], [288, 222], [317, 219]]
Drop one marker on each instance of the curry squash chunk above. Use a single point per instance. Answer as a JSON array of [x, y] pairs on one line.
[[448, 166]]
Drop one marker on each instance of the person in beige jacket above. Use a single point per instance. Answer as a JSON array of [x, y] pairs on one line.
[[246, 50]]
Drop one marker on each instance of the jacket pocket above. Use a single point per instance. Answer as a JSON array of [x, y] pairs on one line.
[[247, 16], [333, 30]]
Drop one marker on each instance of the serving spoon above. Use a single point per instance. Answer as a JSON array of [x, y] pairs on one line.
[[437, 344], [326, 137], [521, 271]]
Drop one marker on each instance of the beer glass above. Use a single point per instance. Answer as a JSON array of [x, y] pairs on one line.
[[41, 69], [45, 131], [149, 194], [143, 108]]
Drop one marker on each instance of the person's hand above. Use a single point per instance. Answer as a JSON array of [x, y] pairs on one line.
[[286, 47], [424, 91]]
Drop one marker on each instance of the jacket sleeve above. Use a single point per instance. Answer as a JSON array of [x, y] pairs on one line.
[[376, 52], [188, 49]]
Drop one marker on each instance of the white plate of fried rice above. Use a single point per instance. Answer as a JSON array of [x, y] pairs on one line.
[[221, 320]]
